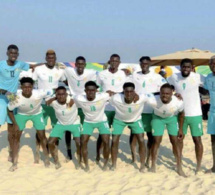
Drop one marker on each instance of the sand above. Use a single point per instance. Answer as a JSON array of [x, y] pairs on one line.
[[32, 178]]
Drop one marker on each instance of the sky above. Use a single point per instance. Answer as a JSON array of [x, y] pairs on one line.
[[96, 29]]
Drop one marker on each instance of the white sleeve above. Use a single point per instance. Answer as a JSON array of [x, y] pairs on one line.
[[161, 81], [12, 105], [35, 74], [170, 81], [63, 77], [45, 93], [180, 106], [201, 80], [111, 100], [151, 100], [98, 80]]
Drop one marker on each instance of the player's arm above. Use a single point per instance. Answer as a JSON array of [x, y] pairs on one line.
[[33, 66], [48, 102], [180, 122]]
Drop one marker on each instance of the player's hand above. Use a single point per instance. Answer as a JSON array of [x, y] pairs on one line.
[[127, 71], [69, 105], [180, 135], [178, 95], [2, 91], [136, 98], [12, 98], [111, 93], [48, 102], [60, 65]]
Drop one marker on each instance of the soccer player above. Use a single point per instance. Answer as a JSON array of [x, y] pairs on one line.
[[93, 105], [48, 77], [210, 86], [168, 113], [68, 120], [146, 82], [76, 80], [187, 84], [10, 70], [29, 108], [128, 113], [111, 79]]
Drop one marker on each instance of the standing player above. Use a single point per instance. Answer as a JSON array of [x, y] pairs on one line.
[[168, 112], [187, 84], [128, 114], [146, 82], [48, 77], [68, 120], [210, 86], [93, 105], [10, 70], [29, 108], [76, 80], [111, 79]]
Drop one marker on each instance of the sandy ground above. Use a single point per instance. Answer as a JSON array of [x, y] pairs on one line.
[[32, 178]]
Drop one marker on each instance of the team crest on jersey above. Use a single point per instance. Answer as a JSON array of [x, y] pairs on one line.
[[18, 70], [119, 78], [137, 106], [192, 81], [56, 75]]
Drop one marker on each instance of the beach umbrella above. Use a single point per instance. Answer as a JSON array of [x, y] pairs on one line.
[[199, 57]]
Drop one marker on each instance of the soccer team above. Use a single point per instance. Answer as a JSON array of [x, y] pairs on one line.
[[108, 101]]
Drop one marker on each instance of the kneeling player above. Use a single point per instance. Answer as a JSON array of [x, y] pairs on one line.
[[128, 114], [93, 105], [68, 120], [29, 108], [167, 111]]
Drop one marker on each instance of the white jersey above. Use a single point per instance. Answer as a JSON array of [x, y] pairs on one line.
[[165, 110], [93, 110], [48, 78], [188, 87], [27, 73], [31, 105], [111, 81], [127, 112], [147, 84], [77, 82], [66, 115]]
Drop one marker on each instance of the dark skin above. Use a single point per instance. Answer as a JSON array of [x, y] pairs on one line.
[[13, 55], [91, 95], [186, 69], [166, 97], [129, 95], [212, 170], [80, 66], [26, 92], [61, 97], [145, 65]]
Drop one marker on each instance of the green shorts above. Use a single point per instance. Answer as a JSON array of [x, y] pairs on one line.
[[48, 111], [110, 116], [38, 122], [159, 124], [81, 115], [119, 126], [88, 128], [59, 130], [147, 119], [195, 124]]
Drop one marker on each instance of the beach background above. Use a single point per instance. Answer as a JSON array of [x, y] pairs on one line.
[[32, 178]]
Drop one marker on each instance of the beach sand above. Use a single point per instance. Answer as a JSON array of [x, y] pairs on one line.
[[32, 178]]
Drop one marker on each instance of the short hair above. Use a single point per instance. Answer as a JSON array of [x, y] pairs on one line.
[[166, 85], [115, 56], [91, 83], [145, 58], [50, 52], [12, 47], [211, 59], [60, 88], [26, 80], [128, 84], [80, 58], [186, 60]]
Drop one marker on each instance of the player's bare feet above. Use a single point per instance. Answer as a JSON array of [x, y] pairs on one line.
[[97, 159], [142, 169], [57, 165], [47, 163], [13, 168], [181, 173], [153, 169], [113, 168], [87, 169], [37, 158], [212, 170], [104, 168]]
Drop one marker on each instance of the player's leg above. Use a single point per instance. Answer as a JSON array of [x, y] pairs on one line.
[[85, 136], [78, 150], [68, 145], [54, 151], [138, 131], [118, 127], [158, 127], [196, 128], [133, 144], [146, 119]]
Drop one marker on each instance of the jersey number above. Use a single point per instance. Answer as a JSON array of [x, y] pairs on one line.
[[92, 108], [112, 82], [50, 79], [12, 73], [129, 110], [63, 113]]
